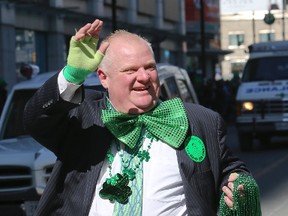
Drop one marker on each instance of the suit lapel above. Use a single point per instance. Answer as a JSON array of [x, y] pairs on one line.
[[189, 170]]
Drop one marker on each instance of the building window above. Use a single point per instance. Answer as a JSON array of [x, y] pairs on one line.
[[266, 35], [236, 39], [31, 48], [39, 2], [237, 67], [25, 47]]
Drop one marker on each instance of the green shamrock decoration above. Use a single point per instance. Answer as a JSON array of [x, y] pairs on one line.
[[116, 189]]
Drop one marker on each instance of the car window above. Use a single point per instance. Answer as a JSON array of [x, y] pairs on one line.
[[13, 125], [275, 68], [163, 93], [172, 87], [185, 93]]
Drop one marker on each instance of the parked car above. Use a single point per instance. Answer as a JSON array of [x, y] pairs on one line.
[[25, 165]]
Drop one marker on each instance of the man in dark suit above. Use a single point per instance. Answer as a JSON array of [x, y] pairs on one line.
[[126, 152]]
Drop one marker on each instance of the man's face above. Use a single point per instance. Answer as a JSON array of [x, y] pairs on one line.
[[131, 79]]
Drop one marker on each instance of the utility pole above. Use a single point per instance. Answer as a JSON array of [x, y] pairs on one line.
[[114, 16], [253, 26], [283, 19], [202, 35]]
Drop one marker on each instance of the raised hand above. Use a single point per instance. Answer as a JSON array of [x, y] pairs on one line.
[[90, 29], [83, 58]]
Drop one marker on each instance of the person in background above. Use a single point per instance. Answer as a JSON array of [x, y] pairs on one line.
[[125, 152]]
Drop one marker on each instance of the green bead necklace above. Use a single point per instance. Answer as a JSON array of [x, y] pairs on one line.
[[247, 204], [116, 188]]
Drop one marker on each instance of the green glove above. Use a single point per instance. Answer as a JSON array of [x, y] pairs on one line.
[[82, 59]]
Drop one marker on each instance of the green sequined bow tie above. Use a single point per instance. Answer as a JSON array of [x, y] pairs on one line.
[[167, 122]]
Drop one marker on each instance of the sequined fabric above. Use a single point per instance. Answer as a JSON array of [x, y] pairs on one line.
[[168, 122]]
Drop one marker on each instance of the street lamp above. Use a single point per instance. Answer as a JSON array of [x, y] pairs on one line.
[[283, 19]]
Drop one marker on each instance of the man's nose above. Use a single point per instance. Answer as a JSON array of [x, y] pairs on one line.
[[143, 73]]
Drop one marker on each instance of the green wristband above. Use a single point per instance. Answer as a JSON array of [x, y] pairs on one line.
[[75, 75]]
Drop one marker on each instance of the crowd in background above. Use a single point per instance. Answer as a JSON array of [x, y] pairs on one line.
[[218, 95]]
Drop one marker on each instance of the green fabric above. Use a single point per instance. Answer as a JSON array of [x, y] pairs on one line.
[[2, 83], [134, 205], [75, 75], [247, 204], [82, 59], [168, 122]]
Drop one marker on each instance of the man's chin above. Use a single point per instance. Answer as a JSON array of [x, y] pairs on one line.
[[142, 108]]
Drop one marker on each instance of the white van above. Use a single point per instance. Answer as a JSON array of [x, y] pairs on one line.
[[262, 96], [25, 165]]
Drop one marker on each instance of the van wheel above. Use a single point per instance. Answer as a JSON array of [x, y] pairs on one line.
[[245, 141]]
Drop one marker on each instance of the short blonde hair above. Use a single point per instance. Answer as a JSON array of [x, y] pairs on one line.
[[125, 33], [121, 33]]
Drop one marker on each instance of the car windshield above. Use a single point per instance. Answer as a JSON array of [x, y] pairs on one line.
[[13, 125], [270, 68]]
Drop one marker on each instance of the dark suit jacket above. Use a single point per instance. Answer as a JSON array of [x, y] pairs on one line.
[[77, 136]]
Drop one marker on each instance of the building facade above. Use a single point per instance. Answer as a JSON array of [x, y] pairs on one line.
[[38, 31], [241, 29], [203, 28]]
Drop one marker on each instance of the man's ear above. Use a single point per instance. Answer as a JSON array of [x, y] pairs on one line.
[[102, 77]]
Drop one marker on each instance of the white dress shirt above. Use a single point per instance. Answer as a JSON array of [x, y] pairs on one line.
[[163, 192]]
